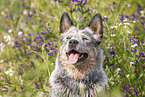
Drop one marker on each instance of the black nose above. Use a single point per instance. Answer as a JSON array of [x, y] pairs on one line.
[[73, 42]]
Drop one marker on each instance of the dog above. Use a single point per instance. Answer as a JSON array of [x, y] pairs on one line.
[[78, 68]]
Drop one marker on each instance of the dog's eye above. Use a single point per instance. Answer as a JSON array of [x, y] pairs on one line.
[[84, 38], [68, 38]]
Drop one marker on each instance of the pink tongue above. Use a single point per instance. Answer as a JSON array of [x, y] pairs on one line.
[[73, 58]]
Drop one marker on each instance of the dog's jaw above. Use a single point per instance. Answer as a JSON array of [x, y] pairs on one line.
[[75, 56], [80, 69]]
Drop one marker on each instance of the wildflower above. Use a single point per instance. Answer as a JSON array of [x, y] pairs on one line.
[[34, 11], [134, 21], [113, 35], [5, 27], [10, 30], [32, 5], [105, 16], [125, 20], [127, 75], [120, 24], [114, 27], [112, 53], [52, 64], [9, 16], [26, 6], [25, 12], [29, 15], [7, 38], [49, 54], [129, 32], [36, 86], [126, 23], [138, 7], [134, 45], [135, 91], [19, 33], [118, 69], [33, 23], [24, 20], [1, 61], [131, 63], [9, 72], [43, 33], [51, 48]]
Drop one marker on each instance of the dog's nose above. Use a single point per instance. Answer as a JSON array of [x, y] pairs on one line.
[[73, 42]]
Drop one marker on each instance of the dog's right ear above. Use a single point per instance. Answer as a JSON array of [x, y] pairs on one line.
[[65, 23]]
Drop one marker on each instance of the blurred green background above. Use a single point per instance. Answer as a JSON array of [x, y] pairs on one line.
[[29, 43]]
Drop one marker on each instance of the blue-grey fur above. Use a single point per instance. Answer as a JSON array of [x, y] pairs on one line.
[[65, 84]]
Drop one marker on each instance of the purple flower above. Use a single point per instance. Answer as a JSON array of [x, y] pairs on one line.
[[143, 58], [9, 16], [51, 48], [112, 53], [22, 88], [136, 55], [5, 27], [114, 2], [26, 6], [33, 23], [142, 23], [49, 54], [43, 33], [40, 20], [29, 44], [52, 15], [126, 16], [16, 43], [28, 54], [55, 46], [15, 12], [135, 91], [5, 61], [30, 34], [34, 11], [111, 64], [29, 15], [36, 86], [106, 58], [24, 20], [79, 8], [141, 54], [82, 25], [56, 50], [142, 18], [138, 7]]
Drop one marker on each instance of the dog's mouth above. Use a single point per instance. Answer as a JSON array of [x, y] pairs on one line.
[[75, 56]]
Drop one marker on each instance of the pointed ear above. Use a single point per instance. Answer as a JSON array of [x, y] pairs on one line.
[[65, 23], [96, 25]]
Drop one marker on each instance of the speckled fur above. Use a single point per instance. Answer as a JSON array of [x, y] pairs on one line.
[[66, 78]]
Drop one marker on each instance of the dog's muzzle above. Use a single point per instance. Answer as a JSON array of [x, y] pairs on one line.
[[75, 56], [73, 44]]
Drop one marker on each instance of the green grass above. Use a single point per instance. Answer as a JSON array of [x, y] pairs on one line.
[[27, 60]]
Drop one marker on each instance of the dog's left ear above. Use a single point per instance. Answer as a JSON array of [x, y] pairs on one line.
[[65, 23], [96, 26]]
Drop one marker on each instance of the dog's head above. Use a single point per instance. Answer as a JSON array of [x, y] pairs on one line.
[[79, 47]]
